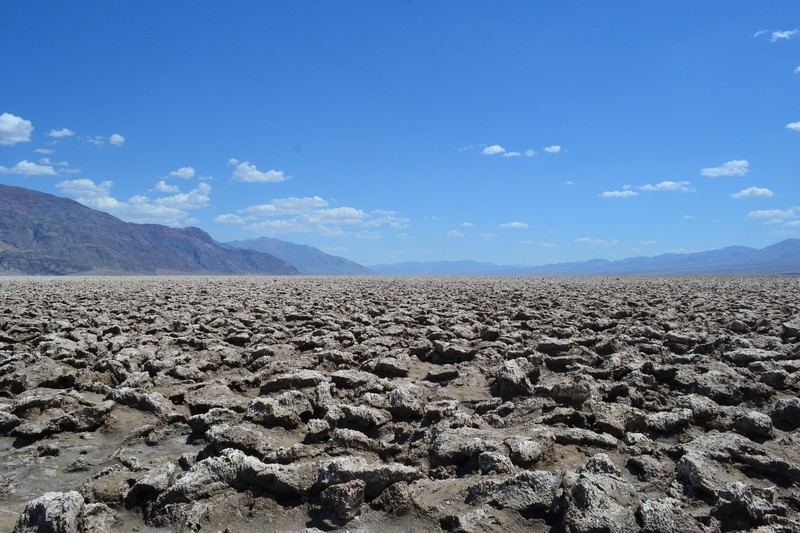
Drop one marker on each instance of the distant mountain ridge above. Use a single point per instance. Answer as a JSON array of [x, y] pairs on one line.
[[780, 258], [44, 234], [306, 259]]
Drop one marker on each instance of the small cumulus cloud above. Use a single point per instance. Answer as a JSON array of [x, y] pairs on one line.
[[247, 172], [553, 149], [493, 150], [737, 167], [455, 234], [229, 219], [63, 132], [680, 186], [794, 126], [14, 129], [753, 192], [778, 35], [626, 192], [488, 236], [313, 214], [163, 186], [512, 154], [467, 225], [26, 168], [369, 235], [194, 199], [588, 241], [569, 183], [774, 216], [116, 139], [44, 151], [514, 225], [530, 152], [465, 148], [183, 173]]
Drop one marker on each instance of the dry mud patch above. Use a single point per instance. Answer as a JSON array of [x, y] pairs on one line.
[[399, 404]]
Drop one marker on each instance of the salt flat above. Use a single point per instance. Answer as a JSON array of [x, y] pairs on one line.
[[425, 404]]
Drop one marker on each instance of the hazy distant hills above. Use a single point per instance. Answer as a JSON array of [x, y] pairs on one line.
[[779, 258], [44, 234], [306, 259]]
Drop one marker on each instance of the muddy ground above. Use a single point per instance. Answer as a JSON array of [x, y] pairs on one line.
[[399, 404]]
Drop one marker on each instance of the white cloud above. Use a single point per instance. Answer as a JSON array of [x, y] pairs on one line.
[[773, 214], [369, 235], [117, 139], [337, 215], [26, 168], [778, 35], [14, 129], [288, 206], [454, 234], [554, 149], [63, 132], [138, 208], [797, 70], [465, 148], [569, 183], [392, 221], [737, 167], [194, 199], [530, 152], [514, 225], [85, 188], [625, 193], [596, 242], [488, 236], [512, 154], [750, 192], [249, 173], [467, 225], [97, 140], [183, 173], [44, 151], [547, 244], [493, 150], [681, 186], [229, 219], [163, 186], [794, 126], [312, 214]]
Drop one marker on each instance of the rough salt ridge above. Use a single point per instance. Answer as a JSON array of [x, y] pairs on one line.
[[430, 404]]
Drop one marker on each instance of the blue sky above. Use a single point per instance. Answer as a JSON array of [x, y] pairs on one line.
[[512, 132]]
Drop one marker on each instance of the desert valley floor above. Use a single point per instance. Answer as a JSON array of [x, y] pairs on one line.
[[399, 404]]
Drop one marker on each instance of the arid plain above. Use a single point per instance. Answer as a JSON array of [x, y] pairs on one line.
[[400, 404]]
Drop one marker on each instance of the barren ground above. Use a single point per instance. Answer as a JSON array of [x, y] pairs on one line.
[[459, 404]]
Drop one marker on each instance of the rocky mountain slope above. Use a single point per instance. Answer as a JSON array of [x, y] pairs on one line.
[[780, 258], [44, 234], [306, 259]]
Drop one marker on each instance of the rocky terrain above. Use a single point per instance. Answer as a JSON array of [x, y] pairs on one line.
[[364, 404]]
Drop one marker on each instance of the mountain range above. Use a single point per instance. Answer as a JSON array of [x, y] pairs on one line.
[[306, 259], [42, 234], [780, 258]]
